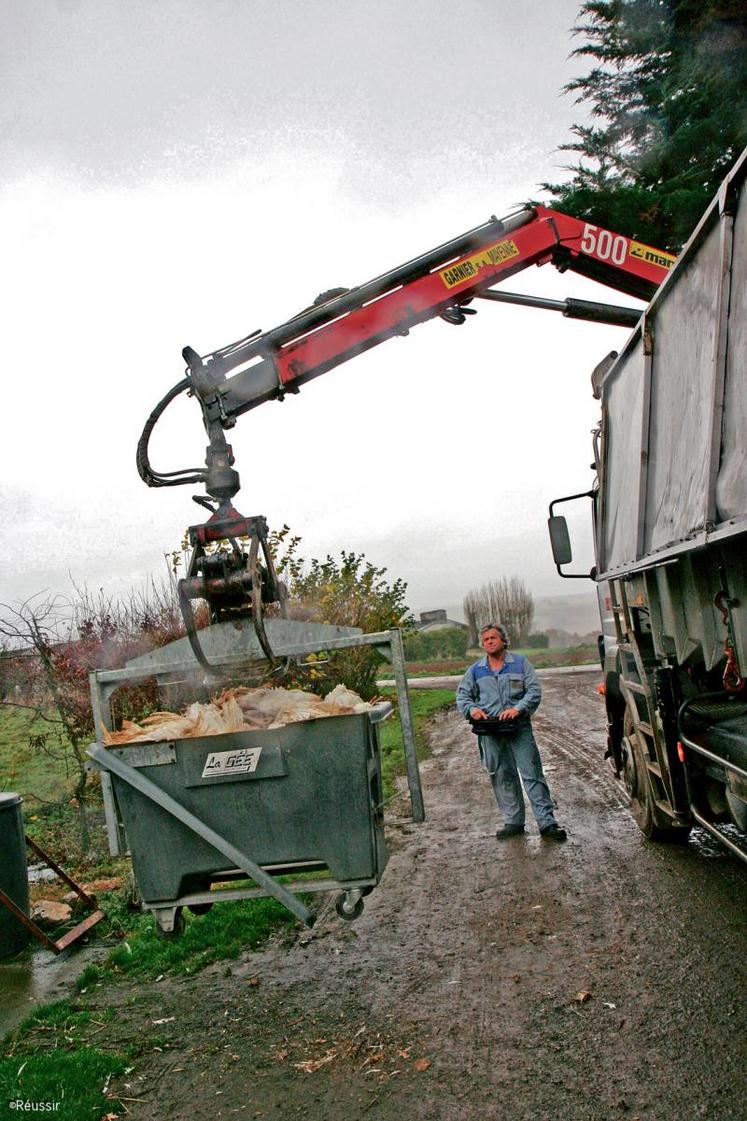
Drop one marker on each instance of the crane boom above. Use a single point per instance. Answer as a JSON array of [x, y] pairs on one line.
[[347, 322]]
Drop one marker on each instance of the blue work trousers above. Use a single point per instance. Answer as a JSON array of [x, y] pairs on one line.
[[505, 758]]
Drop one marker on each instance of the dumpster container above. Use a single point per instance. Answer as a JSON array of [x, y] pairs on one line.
[[302, 798], [13, 874]]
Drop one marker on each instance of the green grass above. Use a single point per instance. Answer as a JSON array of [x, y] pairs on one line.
[[540, 659], [51, 1058], [26, 766], [223, 933], [585, 654], [33, 764], [423, 704]]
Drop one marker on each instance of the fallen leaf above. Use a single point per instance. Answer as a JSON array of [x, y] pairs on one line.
[[421, 1064], [607, 1004], [310, 1065], [280, 1056], [253, 981], [583, 996]]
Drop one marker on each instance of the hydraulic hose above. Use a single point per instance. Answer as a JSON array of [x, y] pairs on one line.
[[164, 478]]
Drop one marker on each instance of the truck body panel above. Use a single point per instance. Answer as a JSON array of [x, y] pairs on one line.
[[674, 403]]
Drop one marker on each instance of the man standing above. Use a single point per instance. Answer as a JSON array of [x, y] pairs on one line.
[[502, 689]]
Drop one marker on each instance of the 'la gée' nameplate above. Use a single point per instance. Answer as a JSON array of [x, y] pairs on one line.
[[241, 761]]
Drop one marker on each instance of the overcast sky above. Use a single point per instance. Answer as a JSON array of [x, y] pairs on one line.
[[186, 171]]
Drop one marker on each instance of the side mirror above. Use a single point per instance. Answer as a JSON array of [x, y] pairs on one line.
[[560, 541]]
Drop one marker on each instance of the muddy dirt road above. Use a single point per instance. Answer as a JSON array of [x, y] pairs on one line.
[[457, 995]]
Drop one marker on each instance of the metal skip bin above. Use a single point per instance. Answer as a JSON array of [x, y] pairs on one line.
[[263, 805], [302, 798]]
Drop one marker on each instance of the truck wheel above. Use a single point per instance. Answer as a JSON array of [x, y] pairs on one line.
[[652, 822]]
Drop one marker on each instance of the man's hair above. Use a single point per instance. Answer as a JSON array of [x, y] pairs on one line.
[[496, 627]]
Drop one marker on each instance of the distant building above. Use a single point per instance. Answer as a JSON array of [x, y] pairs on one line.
[[437, 621]]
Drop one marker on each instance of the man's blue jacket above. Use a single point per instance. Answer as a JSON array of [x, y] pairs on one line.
[[513, 686]]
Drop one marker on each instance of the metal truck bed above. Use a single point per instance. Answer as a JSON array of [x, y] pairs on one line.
[[674, 404]]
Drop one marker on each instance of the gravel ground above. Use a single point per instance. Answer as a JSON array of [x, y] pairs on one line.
[[599, 980]]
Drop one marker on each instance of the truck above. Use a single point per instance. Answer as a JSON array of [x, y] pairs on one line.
[[669, 509]]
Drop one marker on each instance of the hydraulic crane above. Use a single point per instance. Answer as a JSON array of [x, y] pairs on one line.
[[341, 324]]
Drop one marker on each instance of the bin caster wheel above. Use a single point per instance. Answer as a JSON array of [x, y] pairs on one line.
[[348, 907], [168, 929]]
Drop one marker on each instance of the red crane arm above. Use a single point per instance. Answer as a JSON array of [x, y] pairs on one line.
[[345, 323]]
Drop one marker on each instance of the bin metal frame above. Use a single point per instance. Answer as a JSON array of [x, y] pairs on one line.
[[228, 649], [34, 929]]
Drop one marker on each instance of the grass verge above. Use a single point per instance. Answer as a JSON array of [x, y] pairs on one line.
[[423, 702], [552, 658], [55, 1062], [32, 755], [223, 933]]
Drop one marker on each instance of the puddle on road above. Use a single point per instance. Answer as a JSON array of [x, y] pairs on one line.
[[708, 846], [37, 976]]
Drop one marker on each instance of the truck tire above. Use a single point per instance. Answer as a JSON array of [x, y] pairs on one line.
[[652, 821]]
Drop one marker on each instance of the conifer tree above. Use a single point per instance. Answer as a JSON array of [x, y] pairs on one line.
[[668, 98]]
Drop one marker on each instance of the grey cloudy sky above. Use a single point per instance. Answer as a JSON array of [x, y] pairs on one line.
[[132, 91], [184, 172]]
